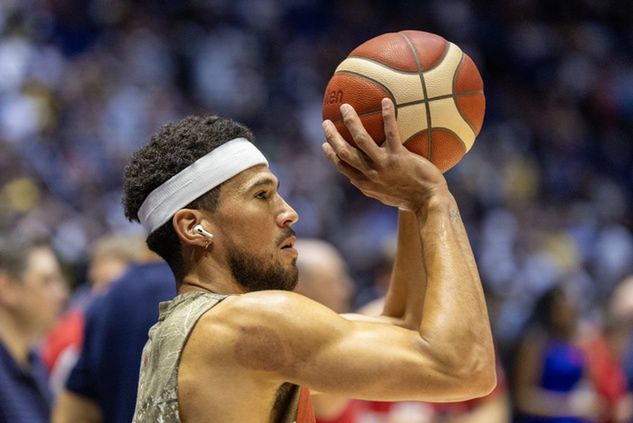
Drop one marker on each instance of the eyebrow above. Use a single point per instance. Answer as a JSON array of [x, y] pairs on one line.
[[264, 181]]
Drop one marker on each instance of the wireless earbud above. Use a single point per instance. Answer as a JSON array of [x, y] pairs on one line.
[[200, 230]]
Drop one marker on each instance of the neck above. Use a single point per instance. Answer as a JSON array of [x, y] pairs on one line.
[[226, 287], [212, 278], [16, 339], [208, 272]]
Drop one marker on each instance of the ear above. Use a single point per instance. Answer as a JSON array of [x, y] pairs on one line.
[[185, 220]]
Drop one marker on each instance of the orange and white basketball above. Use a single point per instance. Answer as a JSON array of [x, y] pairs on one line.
[[436, 88]]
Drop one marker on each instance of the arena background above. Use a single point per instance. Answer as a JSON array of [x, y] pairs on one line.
[[545, 192]]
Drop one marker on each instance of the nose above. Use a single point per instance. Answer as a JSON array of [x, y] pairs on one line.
[[288, 215]]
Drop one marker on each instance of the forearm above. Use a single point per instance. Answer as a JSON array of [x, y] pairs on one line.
[[454, 318], [405, 297]]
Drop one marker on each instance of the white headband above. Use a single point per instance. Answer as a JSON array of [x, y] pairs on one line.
[[201, 176]]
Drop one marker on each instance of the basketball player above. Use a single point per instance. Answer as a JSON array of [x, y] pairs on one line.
[[236, 343]]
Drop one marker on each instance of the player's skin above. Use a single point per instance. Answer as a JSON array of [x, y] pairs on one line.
[[433, 342]]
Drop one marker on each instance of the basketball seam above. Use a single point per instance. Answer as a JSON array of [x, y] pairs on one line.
[[391, 96], [439, 129], [440, 97], [383, 65], [424, 91], [461, 62], [439, 62]]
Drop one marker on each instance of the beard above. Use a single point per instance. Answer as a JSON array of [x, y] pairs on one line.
[[258, 274]]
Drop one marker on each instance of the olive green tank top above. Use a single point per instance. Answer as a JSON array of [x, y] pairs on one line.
[[157, 398]]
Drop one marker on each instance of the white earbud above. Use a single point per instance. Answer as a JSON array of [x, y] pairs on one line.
[[200, 230]]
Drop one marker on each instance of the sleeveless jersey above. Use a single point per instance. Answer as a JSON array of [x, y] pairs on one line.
[[157, 399]]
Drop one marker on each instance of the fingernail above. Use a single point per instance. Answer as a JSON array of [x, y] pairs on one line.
[[325, 125], [345, 109], [385, 103]]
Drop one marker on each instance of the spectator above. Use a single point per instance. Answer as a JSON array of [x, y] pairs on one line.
[[102, 385], [621, 306], [32, 294], [109, 258], [550, 374], [493, 408], [604, 348], [608, 350], [323, 277]]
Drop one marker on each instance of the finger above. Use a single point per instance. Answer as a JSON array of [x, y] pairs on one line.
[[344, 150], [349, 171], [392, 133], [362, 139]]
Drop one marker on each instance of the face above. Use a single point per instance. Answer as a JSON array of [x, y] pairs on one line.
[[43, 292], [323, 275], [334, 286], [254, 225], [563, 314], [104, 270]]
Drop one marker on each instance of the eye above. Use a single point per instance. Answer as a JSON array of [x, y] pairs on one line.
[[262, 195]]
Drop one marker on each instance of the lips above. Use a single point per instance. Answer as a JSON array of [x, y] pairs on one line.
[[289, 243]]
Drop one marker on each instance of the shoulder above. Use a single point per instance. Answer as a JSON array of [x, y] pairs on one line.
[[272, 308]]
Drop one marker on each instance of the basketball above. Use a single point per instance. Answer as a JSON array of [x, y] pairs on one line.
[[436, 88]]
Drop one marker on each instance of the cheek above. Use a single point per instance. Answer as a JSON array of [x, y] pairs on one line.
[[250, 236], [44, 302]]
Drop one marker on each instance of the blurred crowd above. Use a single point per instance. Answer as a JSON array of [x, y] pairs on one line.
[[546, 192]]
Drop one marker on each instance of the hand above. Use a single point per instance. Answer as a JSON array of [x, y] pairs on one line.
[[389, 173]]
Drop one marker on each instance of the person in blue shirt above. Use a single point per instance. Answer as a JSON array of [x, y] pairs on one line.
[[32, 294], [102, 385]]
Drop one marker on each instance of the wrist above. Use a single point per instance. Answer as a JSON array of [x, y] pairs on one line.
[[438, 198]]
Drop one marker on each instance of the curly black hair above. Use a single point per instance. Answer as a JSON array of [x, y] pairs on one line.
[[174, 147]]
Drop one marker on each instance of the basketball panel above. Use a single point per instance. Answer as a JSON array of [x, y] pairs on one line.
[[363, 94], [440, 80], [444, 149], [472, 107], [467, 78], [419, 144], [404, 87], [430, 48], [411, 120], [389, 49], [444, 114], [372, 122]]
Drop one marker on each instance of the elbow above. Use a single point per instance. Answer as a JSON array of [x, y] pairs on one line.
[[475, 374], [485, 381], [481, 371]]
